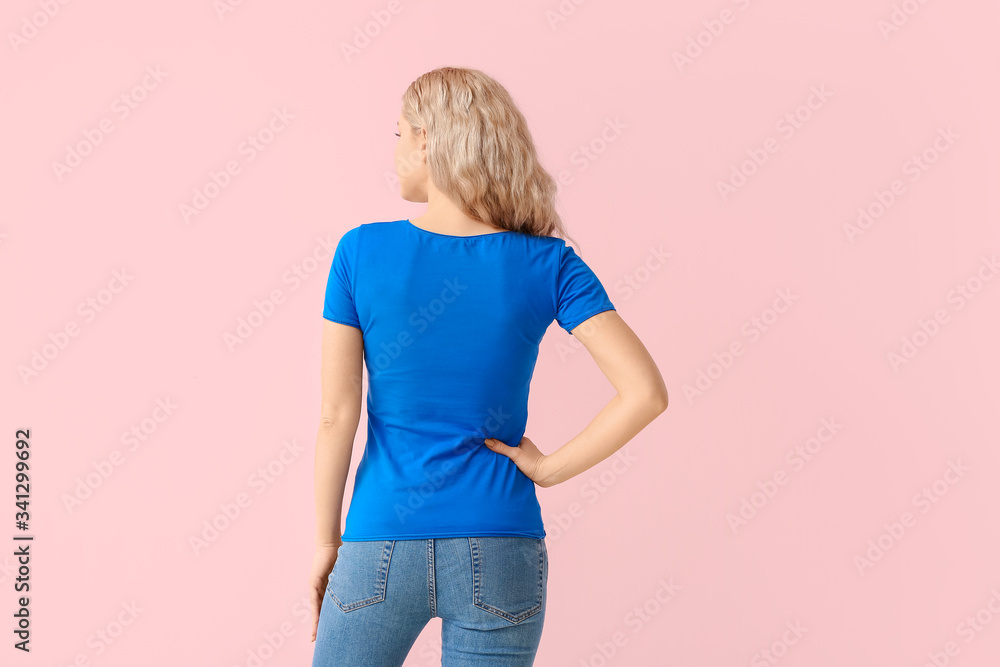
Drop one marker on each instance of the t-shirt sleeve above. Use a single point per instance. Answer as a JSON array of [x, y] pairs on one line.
[[579, 293], [339, 303]]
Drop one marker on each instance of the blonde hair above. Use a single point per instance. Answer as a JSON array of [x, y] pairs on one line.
[[480, 152]]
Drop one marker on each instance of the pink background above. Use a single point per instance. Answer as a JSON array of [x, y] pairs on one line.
[[618, 535]]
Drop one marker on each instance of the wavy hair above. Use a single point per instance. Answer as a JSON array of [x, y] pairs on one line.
[[480, 152]]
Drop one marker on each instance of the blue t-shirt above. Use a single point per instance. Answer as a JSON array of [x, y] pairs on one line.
[[451, 327]]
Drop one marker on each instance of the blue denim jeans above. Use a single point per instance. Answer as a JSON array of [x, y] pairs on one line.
[[490, 593]]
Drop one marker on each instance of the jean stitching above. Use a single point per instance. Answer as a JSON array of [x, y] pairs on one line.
[[431, 583], [380, 581], [477, 588]]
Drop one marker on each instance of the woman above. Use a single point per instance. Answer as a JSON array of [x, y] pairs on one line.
[[446, 311]]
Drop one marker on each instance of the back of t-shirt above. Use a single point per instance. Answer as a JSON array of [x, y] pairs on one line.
[[451, 328]]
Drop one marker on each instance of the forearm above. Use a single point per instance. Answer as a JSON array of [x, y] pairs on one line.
[[334, 445], [617, 423]]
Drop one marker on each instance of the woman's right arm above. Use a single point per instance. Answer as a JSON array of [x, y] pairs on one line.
[[641, 397], [340, 414]]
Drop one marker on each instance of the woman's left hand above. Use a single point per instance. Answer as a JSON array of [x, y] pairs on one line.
[[525, 456]]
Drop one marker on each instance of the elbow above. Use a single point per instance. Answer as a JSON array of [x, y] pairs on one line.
[[652, 402], [656, 397], [339, 419], [656, 394], [341, 410], [659, 401]]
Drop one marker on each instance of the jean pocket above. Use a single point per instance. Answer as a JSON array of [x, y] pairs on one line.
[[509, 575], [360, 573]]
